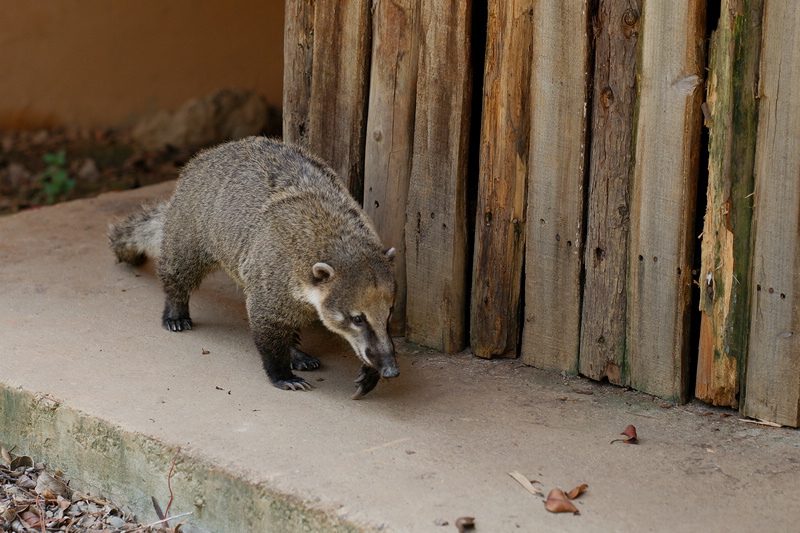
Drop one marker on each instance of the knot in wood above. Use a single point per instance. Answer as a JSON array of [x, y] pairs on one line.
[[630, 17], [607, 97]]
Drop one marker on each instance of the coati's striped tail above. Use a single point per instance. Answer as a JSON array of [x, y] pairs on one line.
[[139, 236]]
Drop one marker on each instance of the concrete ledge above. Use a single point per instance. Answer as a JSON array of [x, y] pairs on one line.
[[93, 385], [104, 459]]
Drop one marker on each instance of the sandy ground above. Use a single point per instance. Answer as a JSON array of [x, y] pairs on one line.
[[419, 451]]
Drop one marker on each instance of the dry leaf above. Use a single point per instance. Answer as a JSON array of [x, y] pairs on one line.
[[629, 432], [465, 523], [522, 480], [557, 502], [50, 487], [6, 456], [21, 461], [577, 491]]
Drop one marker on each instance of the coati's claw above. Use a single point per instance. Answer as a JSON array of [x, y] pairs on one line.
[[177, 324], [303, 361], [294, 383], [367, 378]]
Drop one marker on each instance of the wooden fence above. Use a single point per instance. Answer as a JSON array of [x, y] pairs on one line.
[[543, 189]]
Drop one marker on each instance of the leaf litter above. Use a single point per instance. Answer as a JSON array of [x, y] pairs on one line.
[[34, 498]]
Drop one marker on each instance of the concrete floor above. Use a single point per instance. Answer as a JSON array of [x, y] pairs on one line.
[[94, 385]]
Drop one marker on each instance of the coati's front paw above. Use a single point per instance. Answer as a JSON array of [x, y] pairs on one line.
[[292, 383], [176, 324], [367, 378], [303, 361]]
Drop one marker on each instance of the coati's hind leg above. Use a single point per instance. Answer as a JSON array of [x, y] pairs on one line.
[[181, 270]]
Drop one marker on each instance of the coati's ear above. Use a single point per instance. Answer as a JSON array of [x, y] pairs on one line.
[[390, 253], [322, 272]]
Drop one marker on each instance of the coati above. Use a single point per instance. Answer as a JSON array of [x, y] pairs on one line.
[[282, 225]]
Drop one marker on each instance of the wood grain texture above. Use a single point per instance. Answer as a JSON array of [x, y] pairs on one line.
[[339, 84], [390, 132], [557, 169], [500, 227], [726, 244], [298, 58], [603, 324], [670, 72], [773, 366], [436, 217]]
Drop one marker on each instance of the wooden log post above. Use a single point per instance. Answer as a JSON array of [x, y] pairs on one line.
[[298, 59], [773, 366], [390, 129], [604, 314], [326, 78], [556, 173], [726, 244], [670, 72], [500, 226], [436, 233]]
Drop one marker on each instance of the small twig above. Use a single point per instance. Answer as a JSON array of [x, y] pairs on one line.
[[169, 483], [164, 521], [42, 514]]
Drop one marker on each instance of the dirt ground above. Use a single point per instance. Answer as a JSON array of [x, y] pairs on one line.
[[95, 161]]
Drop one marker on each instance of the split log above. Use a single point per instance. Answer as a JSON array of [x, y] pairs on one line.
[[436, 233], [773, 366], [663, 194], [556, 175], [298, 59], [605, 302], [390, 129], [327, 49], [500, 228], [726, 244]]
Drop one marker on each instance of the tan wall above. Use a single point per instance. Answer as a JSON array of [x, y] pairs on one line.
[[107, 62]]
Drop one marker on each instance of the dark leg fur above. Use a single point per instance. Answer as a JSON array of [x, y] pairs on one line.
[[367, 378], [181, 270], [275, 347], [303, 361]]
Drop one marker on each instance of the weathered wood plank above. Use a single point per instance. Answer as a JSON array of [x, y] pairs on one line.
[[339, 84], [436, 222], [390, 130], [557, 169], [298, 55], [663, 191], [500, 227], [604, 314], [773, 365], [726, 245]]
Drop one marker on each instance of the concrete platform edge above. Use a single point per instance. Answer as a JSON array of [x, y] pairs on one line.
[[103, 459]]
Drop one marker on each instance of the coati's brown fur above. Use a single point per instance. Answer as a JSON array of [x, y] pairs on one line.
[[281, 224]]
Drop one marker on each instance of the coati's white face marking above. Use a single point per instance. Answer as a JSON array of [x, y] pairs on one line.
[[360, 315]]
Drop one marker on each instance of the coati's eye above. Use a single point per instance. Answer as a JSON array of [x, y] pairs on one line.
[[358, 320]]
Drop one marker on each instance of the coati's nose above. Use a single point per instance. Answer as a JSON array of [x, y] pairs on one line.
[[390, 372]]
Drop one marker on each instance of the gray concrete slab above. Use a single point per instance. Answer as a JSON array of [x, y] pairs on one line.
[[92, 381]]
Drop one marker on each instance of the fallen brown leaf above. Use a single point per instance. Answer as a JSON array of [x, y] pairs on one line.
[[629, 432], [577, 491], [557, 502], [465, 523], [6, 455], [50, 487]]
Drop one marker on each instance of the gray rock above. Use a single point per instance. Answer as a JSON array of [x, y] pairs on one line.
[[228, 114]]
